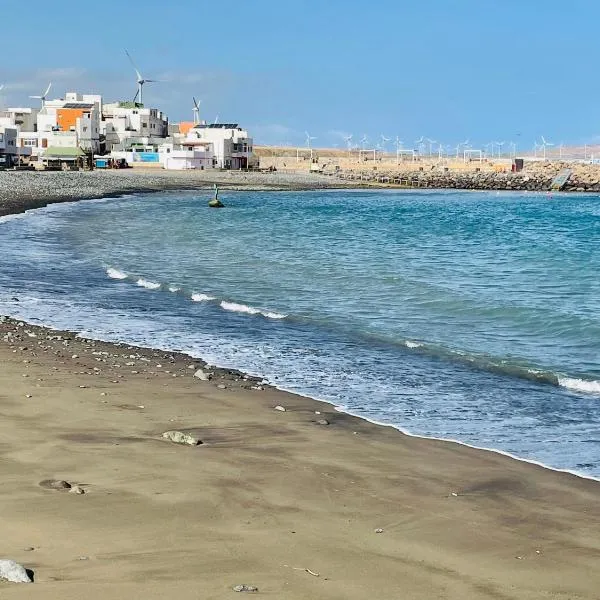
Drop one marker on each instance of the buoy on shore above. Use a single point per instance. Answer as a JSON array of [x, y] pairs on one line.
[[215, 202]]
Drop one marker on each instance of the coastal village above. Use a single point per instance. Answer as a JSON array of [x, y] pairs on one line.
[[82, 130]]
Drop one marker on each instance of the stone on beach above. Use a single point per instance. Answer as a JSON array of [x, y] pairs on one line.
[[245, 588], [279, 407], [13, 572], [55, 484], [202, 375], [178, 437]]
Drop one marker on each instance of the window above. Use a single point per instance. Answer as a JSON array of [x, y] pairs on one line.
[[1, 137], [144, 124], [85, 128]]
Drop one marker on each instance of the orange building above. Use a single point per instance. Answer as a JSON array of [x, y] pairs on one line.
[[185, 126], [66, 118]]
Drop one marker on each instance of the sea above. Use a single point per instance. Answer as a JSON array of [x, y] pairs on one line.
[[469, 316]]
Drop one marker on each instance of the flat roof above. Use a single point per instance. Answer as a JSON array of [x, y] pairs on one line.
[[77, 105], [218, 126]]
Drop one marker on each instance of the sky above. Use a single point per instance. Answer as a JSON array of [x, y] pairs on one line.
[[448, 70]]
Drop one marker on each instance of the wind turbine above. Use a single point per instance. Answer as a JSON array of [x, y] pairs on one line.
[[140, 80], [309, 138], [196, 111], [363, 146], [419, 144], [430, 142], [348, 140], [399, 146], [500, 146], [43, 96], [489, 149], [465, 144], [544, 145], [384, 140]]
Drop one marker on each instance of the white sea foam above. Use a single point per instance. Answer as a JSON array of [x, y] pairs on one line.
[[250, 310], [410, 344], [149, 285], [580, 385], [174, 288], [202, 297], [115, 273]]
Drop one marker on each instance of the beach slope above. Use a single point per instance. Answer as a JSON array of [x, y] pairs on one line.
[[273, 499]]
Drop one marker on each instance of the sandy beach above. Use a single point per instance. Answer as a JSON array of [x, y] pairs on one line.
[[301, 503]]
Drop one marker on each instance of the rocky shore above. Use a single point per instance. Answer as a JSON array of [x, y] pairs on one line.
[[536, 177], [23, 190]]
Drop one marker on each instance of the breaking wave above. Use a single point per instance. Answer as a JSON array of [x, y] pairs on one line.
[[250, 310], [149, 285], [115, 273]]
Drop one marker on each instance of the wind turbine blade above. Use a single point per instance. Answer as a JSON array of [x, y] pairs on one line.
[[47, 90], [1, 87], [36, 97], [139, 75], [195, 102], [136, 95]]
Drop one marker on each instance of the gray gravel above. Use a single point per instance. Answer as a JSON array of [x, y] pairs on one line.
[[22, 190]]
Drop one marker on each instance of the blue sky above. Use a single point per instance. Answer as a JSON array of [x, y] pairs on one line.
[[445, 69]]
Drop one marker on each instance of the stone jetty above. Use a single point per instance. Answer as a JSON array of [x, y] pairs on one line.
[[535, 177]]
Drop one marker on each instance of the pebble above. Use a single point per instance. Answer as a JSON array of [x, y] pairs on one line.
[[202, 375], [76, 490], [55, 484], [245, 588], [323, 422], [221, 386], [379, 530], [178, 437], [279, 407]]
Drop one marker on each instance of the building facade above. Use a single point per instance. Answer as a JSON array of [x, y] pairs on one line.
[[232, 146]]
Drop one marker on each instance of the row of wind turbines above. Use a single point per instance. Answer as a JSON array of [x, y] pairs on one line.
[[424, 146]]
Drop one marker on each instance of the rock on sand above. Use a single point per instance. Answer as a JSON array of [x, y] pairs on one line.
[[14, 572], [181, 438]]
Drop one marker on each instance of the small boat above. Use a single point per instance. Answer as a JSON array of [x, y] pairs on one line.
[[215, 202]]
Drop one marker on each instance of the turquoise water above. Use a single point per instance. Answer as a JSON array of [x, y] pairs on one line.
[[470, 316]]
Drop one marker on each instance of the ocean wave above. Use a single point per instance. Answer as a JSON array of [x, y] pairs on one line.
[[588, 386], [115, 273], [411, 345], [174, 289], [250, 310], [202, 297], [149, 285]]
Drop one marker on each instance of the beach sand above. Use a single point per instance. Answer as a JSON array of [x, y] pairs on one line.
[[271, 498]]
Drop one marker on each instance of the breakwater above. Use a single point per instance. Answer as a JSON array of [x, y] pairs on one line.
[[537, 177]]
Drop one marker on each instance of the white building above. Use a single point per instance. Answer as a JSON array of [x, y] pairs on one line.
[[8, 146], [191, 155], [24, 119], [129, 124], [231, 144], [72, 121]]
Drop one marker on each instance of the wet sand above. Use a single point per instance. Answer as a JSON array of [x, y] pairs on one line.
[[271, 498]]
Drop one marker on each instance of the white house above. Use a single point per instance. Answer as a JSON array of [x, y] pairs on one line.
[[8, 146], [72, 121], [129, 124], [191, 155], [231, 144]]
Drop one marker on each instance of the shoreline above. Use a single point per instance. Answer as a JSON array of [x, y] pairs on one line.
[[504, 536], [28, 190]]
